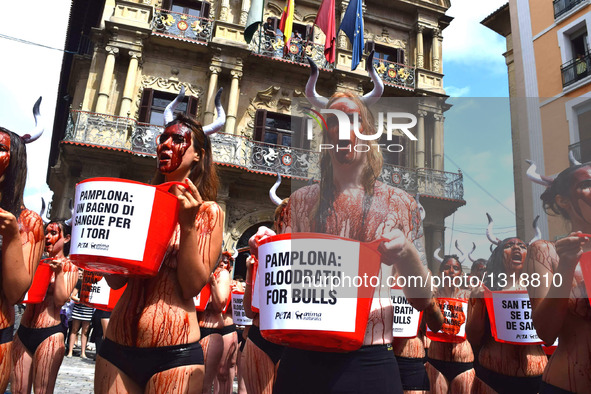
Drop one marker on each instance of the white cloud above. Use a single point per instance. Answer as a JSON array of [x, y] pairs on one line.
[[468, 42], [457, 92]]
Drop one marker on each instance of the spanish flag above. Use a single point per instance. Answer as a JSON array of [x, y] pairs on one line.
[[286, 24]]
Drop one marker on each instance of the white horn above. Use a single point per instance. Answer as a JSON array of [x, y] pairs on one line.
[[220, 121], [472, 251], [313, 97], [273, 191], [489, 231], [535, 177], [538, 232], [436, 254], [169, 110], [378, 89], [28, 138], [573, 161]]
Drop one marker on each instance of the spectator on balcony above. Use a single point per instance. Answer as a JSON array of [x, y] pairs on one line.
[[21, 234], [269, 30], [581, 64]]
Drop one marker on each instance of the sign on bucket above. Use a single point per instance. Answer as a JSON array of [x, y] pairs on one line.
[[406, 318], [455, 313], [122, 226], [238, 313], [296, 308], [97, 293]]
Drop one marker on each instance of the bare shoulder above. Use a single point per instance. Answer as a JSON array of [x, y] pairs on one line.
[[210, 208], [30, 221], [305, 195], [209, 217], [543, 253]]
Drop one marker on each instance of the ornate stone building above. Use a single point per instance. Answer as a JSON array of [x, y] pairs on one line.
[[132, 57]]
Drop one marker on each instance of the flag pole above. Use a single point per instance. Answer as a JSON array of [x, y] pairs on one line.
[[261, 33]]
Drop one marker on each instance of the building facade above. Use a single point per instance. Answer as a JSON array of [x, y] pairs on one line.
[[550, 87], [132, 57]]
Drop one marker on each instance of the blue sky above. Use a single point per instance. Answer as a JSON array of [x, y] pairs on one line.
[[472, 63]]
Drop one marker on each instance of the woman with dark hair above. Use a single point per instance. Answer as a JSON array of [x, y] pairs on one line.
[[21, 232], [501, 366], [39, 348], [152, 341], [450, 358], [561, 306]]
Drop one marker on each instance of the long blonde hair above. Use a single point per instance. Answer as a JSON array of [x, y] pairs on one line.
[[373, 167]]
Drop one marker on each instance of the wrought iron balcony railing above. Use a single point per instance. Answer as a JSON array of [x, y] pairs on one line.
[[395, 74], [237, 151], [581, 150], [576, 69], [182, 26], [274, 47], [561, 7]]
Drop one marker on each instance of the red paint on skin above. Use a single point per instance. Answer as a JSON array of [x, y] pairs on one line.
[[172, 145], [53, 233], [4, 152], [451, 268]]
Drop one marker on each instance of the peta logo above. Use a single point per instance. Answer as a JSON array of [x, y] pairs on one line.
[[299, 315], [402, 121], [282, 315]]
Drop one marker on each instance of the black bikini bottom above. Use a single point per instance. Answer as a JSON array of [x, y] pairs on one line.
[[547, 388], [450, 369], [205, 331], [413, 373], [272, 350], [31, 338], [505, 383], [140, 364], [369, 370], [6, 334]]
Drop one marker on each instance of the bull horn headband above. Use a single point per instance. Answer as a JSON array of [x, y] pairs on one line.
[[207, 130], [368, 99], [489, 231], [436, 256], [42, 212], [36, 133], [572, 160], [534, 176], [538, 232], [472, 259], [420, 207], [273, 191]]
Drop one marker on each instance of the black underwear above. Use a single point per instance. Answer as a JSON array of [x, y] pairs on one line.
[[205, 331], [413, 373], [6, 334], [547, 388], [369, 370], [140, 364], [450, 369], [31, 338], [226, 330], [505, 383], [241, 341], [100, 314], [272, 350]]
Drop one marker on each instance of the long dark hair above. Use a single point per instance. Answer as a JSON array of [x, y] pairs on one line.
[[203, 173], [448, 257], [15, 177], [496, 266], [560, 186], [66, 230]]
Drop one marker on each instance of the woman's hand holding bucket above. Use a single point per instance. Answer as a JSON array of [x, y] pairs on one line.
[[189, 203], [396, 247], [262, 233]]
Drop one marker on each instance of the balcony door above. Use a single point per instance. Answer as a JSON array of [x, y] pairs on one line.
[[190, 7], [154, 102]]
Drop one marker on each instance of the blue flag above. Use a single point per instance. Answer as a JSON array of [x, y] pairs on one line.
[[352, 26]]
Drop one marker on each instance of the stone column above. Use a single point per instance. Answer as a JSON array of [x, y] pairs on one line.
[[224, 8], [211, 91], [440, 51], [129, 83], [438, 142], [233, 101], [435, 50], [105, 87], [420, 157], [244, 11], [420, 55]]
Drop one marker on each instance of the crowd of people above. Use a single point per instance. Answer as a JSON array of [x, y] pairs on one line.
[[154, 340]]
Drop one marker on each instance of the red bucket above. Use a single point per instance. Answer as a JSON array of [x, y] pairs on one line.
[[202, 299], [97, 293], [510, 317], [296, 314], [254, 303], [121, 226], [455, 314], [585, 264], [41, 280]]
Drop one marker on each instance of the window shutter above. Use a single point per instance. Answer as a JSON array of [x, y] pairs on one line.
[[192, 106], [259, 124], [309, 33], [167, 4], [205, 7], [146, 105]]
